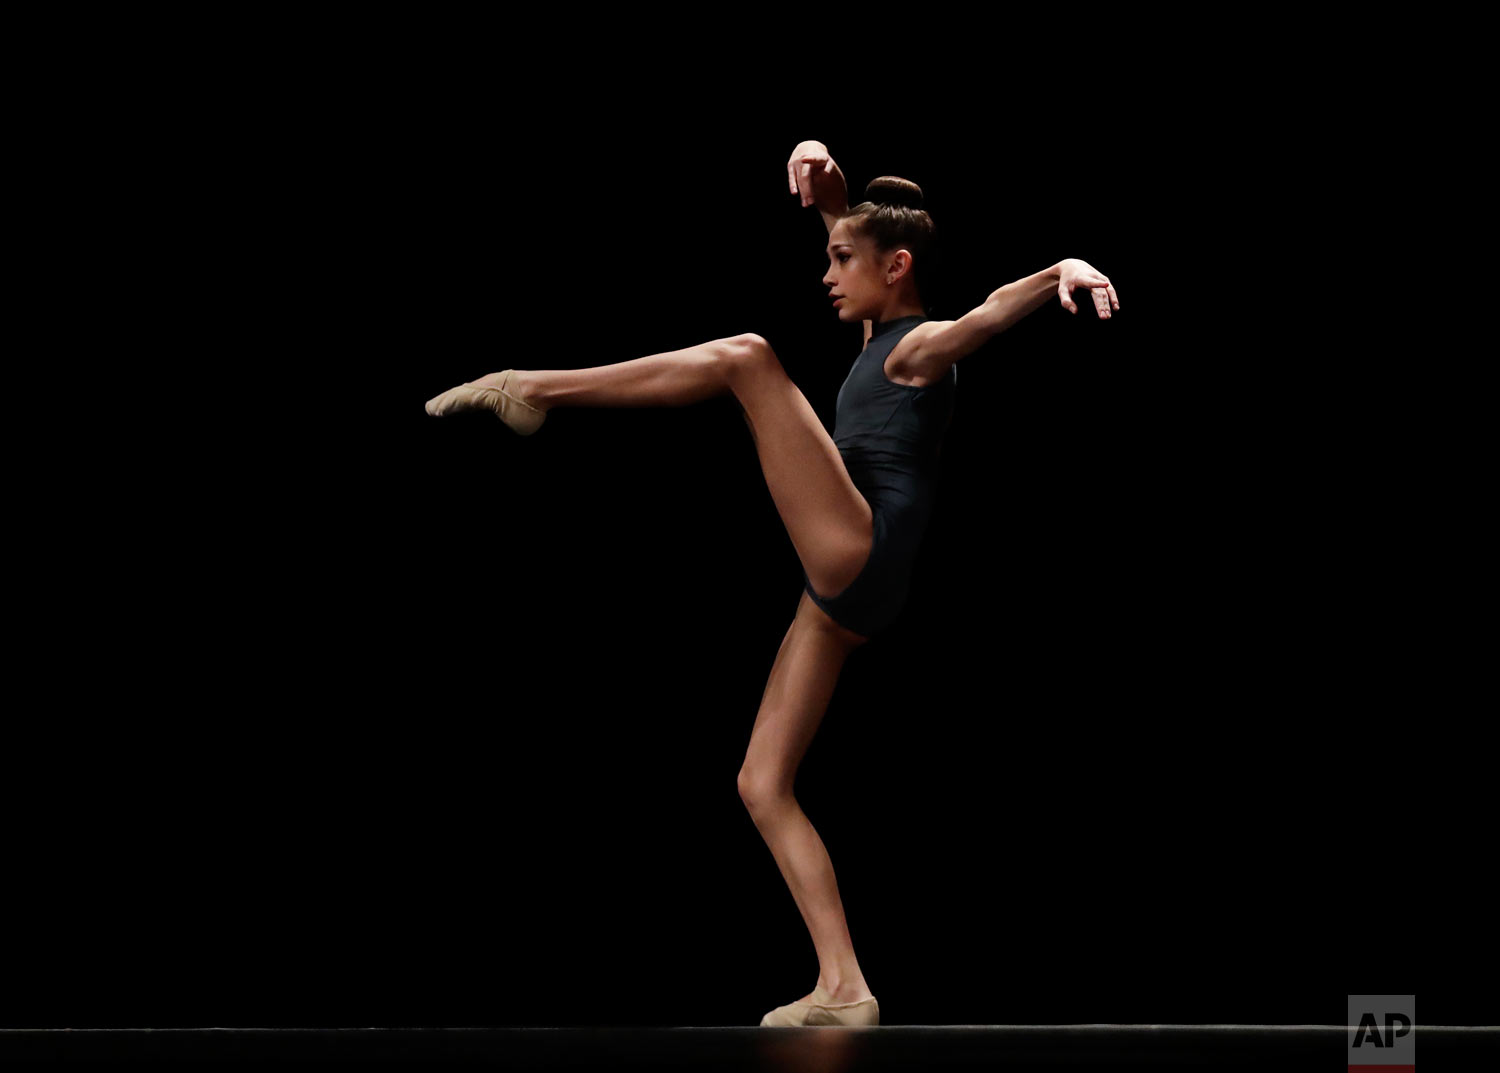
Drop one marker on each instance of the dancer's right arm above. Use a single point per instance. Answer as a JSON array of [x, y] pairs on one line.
[[814, 176]]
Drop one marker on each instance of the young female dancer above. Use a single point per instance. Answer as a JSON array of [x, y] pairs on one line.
[[855, 504]]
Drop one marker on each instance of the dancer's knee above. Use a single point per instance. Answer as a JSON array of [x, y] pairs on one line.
[[763, 791], [750, 349], [750, 341]]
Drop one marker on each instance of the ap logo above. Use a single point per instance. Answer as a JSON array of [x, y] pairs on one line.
[[1380, 1034]]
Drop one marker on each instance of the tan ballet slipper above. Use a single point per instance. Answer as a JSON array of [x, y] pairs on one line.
[[819, 1010], [518, 415]]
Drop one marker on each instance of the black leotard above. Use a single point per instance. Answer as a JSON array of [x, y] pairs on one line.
[[889, 435]]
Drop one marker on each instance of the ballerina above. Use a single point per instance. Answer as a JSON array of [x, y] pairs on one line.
[[855, 503]]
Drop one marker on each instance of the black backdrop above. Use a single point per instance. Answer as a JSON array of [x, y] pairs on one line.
[[440, 725]]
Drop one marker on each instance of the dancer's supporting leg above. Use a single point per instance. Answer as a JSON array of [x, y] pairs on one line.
[[797, 694]]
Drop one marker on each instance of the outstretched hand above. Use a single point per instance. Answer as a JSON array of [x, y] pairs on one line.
[[811, 172], [1076, 273]]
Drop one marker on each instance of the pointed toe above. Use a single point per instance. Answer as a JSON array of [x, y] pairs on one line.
[[520, 416]]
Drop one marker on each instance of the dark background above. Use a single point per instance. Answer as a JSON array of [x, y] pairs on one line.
[[404, 721]]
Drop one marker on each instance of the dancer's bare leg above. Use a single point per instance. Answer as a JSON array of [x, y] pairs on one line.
[[801, 684], [808, 871], [806, 669], [672, 378]]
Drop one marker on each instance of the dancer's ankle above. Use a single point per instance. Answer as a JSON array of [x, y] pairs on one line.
[[523, 385], [845, 989]]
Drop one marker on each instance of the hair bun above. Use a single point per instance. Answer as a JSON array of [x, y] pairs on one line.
[[894, 190]]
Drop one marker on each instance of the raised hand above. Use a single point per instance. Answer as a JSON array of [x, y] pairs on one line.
[[812, 173], [1076, 273]]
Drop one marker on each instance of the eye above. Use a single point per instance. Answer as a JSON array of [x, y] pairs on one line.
[[843, 257]]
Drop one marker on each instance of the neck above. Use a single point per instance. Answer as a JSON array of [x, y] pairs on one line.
[[894, 324], [896, 310]]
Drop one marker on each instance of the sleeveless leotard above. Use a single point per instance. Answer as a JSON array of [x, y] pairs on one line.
[[889, 435]]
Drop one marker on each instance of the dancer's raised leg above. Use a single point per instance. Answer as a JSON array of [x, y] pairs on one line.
[[672, 378], [828, 519]]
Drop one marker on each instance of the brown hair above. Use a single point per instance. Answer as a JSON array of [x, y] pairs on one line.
[[892, 216]]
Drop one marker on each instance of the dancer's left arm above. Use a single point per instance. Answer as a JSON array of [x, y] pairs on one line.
[[946, 341]]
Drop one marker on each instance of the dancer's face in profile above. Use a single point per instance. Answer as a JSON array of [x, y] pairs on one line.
[[855, 272]]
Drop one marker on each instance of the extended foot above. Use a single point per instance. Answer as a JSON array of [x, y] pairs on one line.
[[517, 384], [496, 392]]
